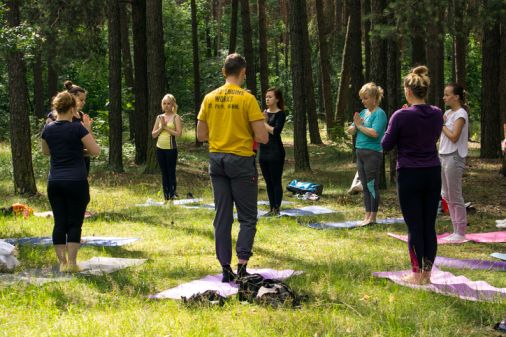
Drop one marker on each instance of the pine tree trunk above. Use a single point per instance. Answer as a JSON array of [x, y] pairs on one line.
[[356, 68], [209, 47], [325, 68], [115, 122], [435, 56], [417, 29], [393, 93], [490, 118], [366, 29], [309, 93], [502, 84], [249, 54], [126, 59], [196, 66], [156, 73], [21, 150], [460, 41], [262, 49], [343, 92], [233, 27], [379, 59], [52, 76], [38, 87], [140, 84], [296, 32]]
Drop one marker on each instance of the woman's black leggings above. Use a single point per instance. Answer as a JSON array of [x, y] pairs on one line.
[[68, 201], [167, 160], [273, 173], [419, 193]]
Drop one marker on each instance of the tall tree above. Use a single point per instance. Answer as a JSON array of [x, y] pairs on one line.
[[356, 68], [309, 93], [296, 31], [233, 27], [325, 67], [196, 65], [126, 58], [115, 122], [491, 53], [140, 80], [461, 35], [251, 81], [51, 51], [21, 150], [393, 86], [417, 19], [379, 59], [155, 70], [38, 86], [366, 30], [343, 92], [217, 10], [262, 49], [435, 55]]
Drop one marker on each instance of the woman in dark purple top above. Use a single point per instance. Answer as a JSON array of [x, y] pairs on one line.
[[67, 186], [415, 131]]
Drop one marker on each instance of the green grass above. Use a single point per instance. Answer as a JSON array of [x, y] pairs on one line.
[[344, 300]]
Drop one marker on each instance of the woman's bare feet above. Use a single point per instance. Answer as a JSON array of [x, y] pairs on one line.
[[419, 278]]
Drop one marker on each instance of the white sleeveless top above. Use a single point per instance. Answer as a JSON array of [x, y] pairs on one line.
[[446, 146]]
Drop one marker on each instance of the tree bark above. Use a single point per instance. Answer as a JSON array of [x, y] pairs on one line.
[[343, 92], [140, 84], [233, 27], [209, 48], [379, 59], [502, 84], [366, 24], [21, 150], [115, 122], [435, 56], [196, 66], [296, 32], [309, 93], [418, 50], [490, 118], [126, 58], [156, 72], [249, 54], [460, 41], [262, 48], [38, 87], [393, 90], [325, 68], [356, 68]]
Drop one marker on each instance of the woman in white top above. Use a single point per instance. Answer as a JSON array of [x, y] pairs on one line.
[[453, 151]]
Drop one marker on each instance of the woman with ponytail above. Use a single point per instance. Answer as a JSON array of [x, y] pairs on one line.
[[415, 131], [453, 152]]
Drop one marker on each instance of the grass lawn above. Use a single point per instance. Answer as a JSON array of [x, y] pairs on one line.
[[344, 299]]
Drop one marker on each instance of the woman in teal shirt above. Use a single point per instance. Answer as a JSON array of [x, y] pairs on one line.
[[369, 125]]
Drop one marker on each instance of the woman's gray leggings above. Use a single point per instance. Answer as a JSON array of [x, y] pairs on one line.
[[368, 165]]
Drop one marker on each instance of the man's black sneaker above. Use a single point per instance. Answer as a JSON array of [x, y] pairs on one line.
[[241, 270], [228, 274]]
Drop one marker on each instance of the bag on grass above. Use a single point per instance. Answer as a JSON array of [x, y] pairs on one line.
[[300, 187], [207, 298]]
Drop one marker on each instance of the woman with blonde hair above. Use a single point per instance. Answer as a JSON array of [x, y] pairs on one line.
[[415, 131], [167, 127], [369, 125], [67, 186]]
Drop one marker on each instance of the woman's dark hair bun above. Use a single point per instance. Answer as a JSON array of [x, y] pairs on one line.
[[68, 84]]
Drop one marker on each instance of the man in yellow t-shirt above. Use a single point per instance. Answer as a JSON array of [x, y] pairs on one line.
[[230, 119]]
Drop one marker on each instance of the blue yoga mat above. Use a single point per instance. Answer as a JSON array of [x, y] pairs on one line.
[[352, 224], [499, 256], [102, 241]]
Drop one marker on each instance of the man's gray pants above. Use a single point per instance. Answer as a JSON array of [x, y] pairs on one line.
[[235, 180]]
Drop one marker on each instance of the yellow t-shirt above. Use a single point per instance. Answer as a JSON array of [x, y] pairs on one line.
[[166, 141], [228, 112]]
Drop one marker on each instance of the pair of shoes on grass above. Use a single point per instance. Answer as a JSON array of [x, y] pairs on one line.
[[230, 276]]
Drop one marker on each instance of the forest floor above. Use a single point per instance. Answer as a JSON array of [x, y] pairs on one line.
[[344, 299]]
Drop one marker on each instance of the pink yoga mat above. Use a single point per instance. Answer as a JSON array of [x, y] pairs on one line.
[[448, 284], [490, 237], [213, 282]]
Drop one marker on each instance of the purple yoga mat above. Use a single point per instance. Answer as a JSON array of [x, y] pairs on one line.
[[469, 264], [213, 282], [446, 283], [490, 237]]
